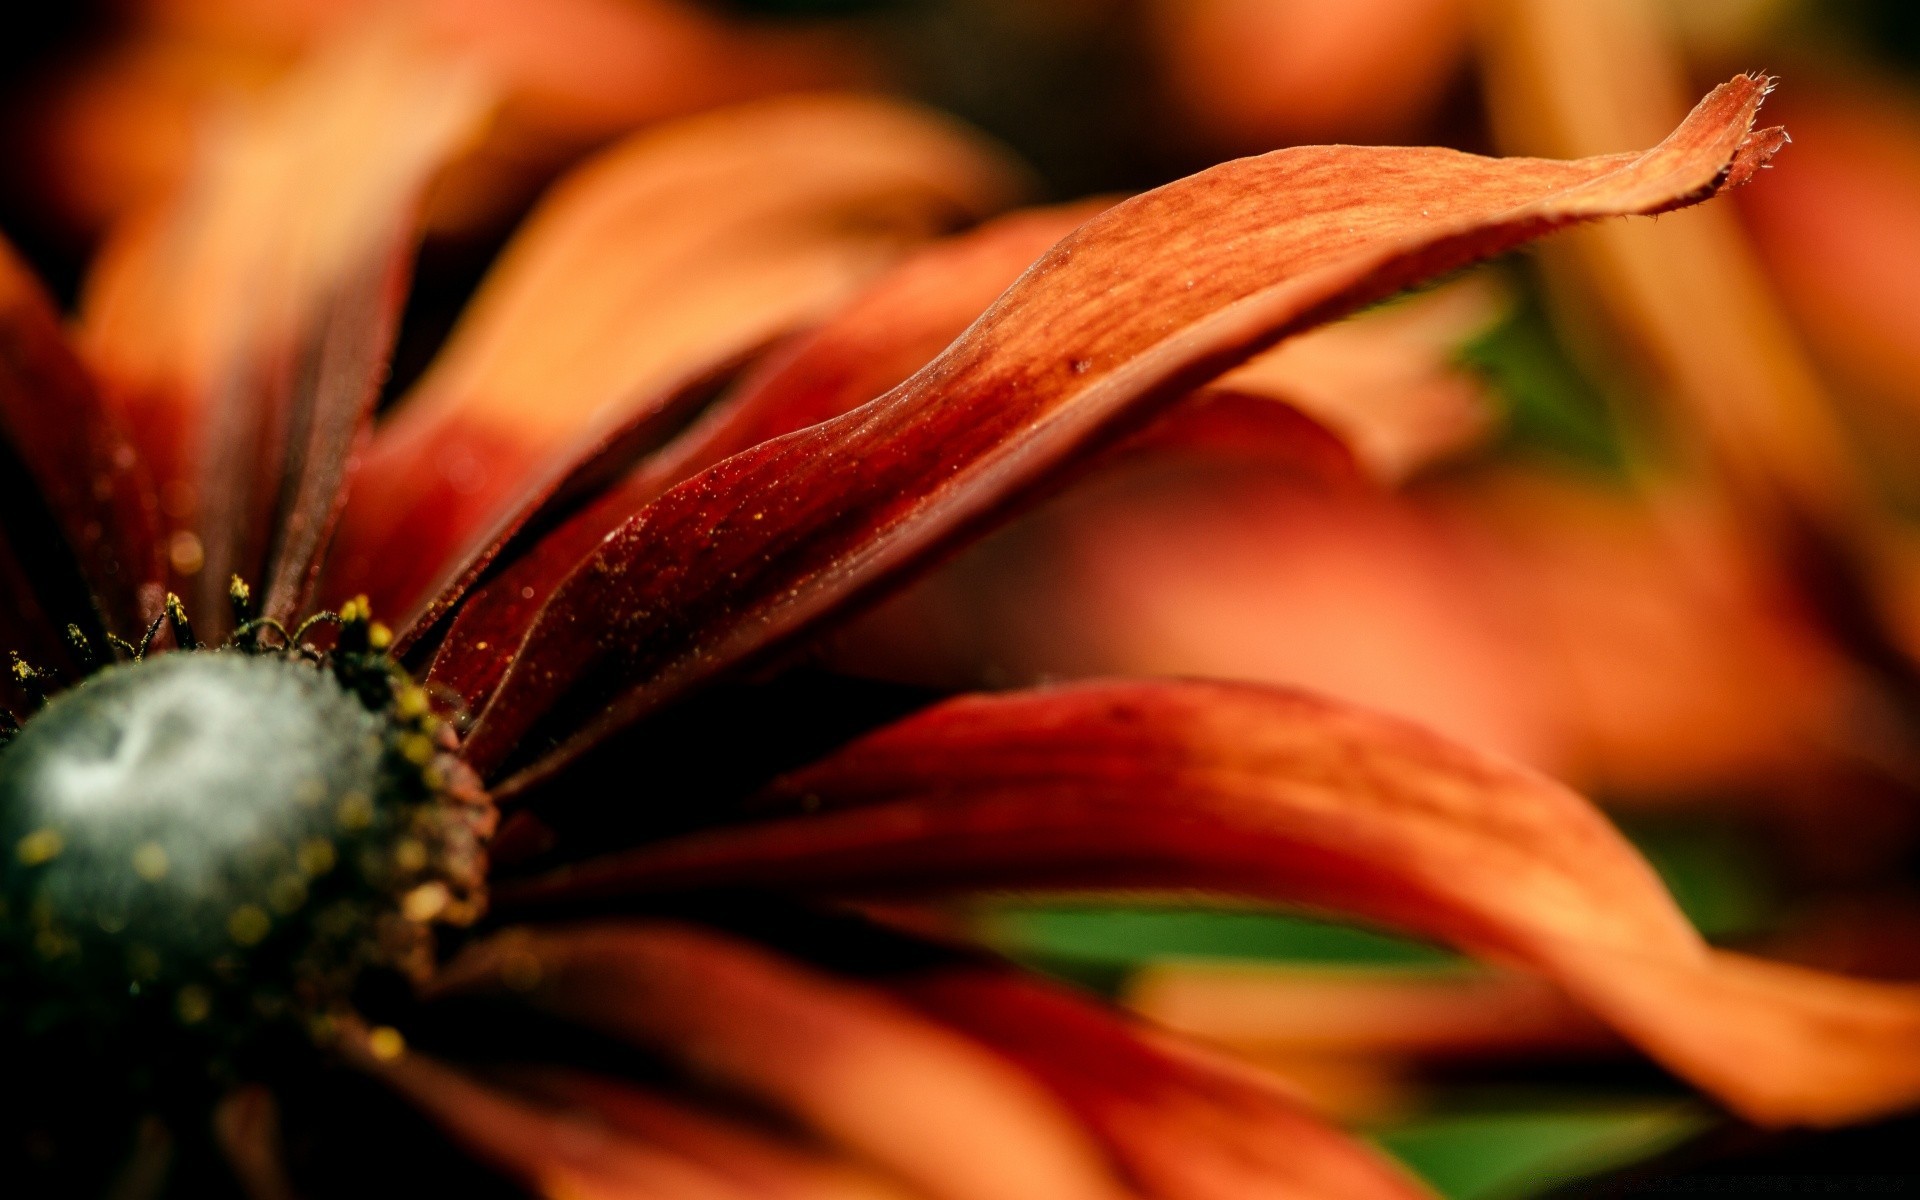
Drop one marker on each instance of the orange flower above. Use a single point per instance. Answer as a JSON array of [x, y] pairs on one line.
[[237, 872]]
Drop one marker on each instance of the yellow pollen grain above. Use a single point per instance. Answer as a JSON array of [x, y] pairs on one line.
[[248, 924], [379, 636], [479, 645], [385, 1043], [316, 857], [287, 893], [40, 846], [417, 748], [425, 902], [193, 1004], [410, 703], [355, 811], [150, 862], [186, 553], [409, 856]]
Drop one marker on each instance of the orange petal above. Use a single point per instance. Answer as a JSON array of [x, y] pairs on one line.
[[886, 334], [241, 327], [642, 275], [1388, 381], [759, 1163], [1254, 74], [1130, 312], [1240, 790], [117, 130], [1185, 1125], [554, 1153], [1841, 233], [1274, 1009], [940, 1113]]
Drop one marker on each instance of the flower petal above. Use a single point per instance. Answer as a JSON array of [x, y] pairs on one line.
[[892, 330], [1289, 1009], [78, 455], [1185, 1126], [937, 1111], [1241, 790], [759, 1163], [555, 1153], [1127, 314], [642, 275], [242, 326]]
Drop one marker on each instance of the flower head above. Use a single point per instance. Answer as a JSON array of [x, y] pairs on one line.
[[680, 984]]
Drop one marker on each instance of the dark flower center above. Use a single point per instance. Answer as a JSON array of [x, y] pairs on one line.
[[203, 848]]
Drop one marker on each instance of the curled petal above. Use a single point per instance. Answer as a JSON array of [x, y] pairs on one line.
[[643, 275], [241, 326], [886, 334], [1134, 309], [937, 1111], [1240, 790]]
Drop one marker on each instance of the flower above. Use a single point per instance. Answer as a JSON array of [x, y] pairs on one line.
[[679, 984]]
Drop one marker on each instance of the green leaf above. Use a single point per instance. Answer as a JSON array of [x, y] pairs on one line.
[[1510, 1155]]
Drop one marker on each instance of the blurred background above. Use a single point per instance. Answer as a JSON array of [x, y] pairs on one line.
[[1639, 509]]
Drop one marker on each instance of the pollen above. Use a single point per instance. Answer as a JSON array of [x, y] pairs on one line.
[[385, 1043], [354, 812], [249, 924], [41, 846], [150, 861]]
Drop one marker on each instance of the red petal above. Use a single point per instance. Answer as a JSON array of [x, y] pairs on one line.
[[1127, 314], [887, 334], [1241, 790], [242, 326], [77, 453], [554, 1153], [935, 1110], [760, 1164], [1185, 1126], [642, 275]]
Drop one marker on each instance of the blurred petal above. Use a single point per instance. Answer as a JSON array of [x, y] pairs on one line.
[[760, 1163], [1239, 790], [1124, 316], [1255, 74], [242, 326], [1695, 311], [246, 1126], [1185, 1126], [1628, 643], [77, 454], [641, 277], [117, 130], [1841, 234], [886, 334], [1274, 1009], [567, 1155], [1388, 381], [944, 1115]]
